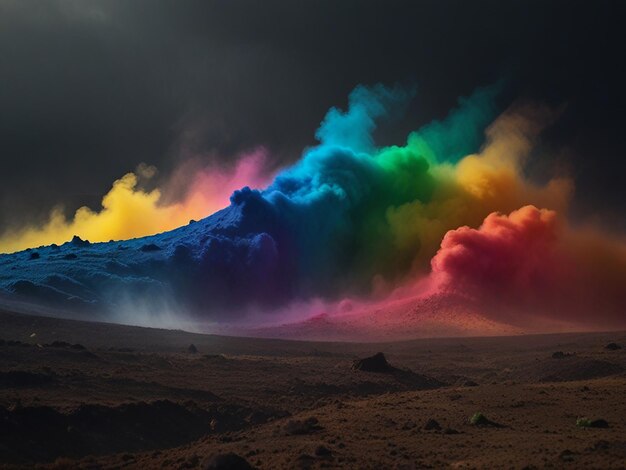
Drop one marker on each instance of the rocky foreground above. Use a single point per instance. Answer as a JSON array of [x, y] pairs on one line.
[[89, 395]]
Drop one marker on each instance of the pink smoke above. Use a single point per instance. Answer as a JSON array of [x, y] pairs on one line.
[[531, 262], [207, 188]]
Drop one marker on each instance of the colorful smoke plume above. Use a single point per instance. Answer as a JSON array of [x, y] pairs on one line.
[[532, 261], [129, 211], [452, 206]]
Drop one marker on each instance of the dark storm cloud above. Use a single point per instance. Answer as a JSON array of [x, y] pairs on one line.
[[91, 89]]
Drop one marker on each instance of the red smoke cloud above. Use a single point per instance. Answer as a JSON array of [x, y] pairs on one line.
[[531, 262]]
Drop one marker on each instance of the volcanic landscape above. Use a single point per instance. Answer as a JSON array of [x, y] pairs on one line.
[[75, 394], [316, 234]]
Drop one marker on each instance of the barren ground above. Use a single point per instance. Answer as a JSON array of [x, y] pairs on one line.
[[138, 398]]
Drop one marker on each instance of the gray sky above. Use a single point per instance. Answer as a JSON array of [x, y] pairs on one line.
[[89, 89]]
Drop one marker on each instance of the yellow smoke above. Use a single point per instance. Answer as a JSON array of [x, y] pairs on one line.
[[127, 212], [130, 212]]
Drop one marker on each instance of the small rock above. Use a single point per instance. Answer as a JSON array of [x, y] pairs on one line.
[[228, 461], [561, 355], [322, 451], [469, 383], [613, 346], [599, 423], [375, 363], [192, 349], [592, 423], [297, 427], [567, 455], [479, 419], [432, 425], [77, 241]]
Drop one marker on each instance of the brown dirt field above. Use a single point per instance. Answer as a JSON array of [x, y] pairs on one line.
[[138, 398]]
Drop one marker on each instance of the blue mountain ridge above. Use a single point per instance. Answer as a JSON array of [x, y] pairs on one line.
[[225, 260]]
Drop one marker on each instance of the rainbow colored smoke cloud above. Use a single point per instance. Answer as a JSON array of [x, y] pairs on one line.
[[349, 215], [351, 219]]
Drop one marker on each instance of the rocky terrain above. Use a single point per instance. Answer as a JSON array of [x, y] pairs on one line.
[[94, 395]]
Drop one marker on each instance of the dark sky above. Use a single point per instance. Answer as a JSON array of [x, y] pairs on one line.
[[88, 89]]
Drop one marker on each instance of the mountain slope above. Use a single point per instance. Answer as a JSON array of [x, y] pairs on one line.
[[79, 276]]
